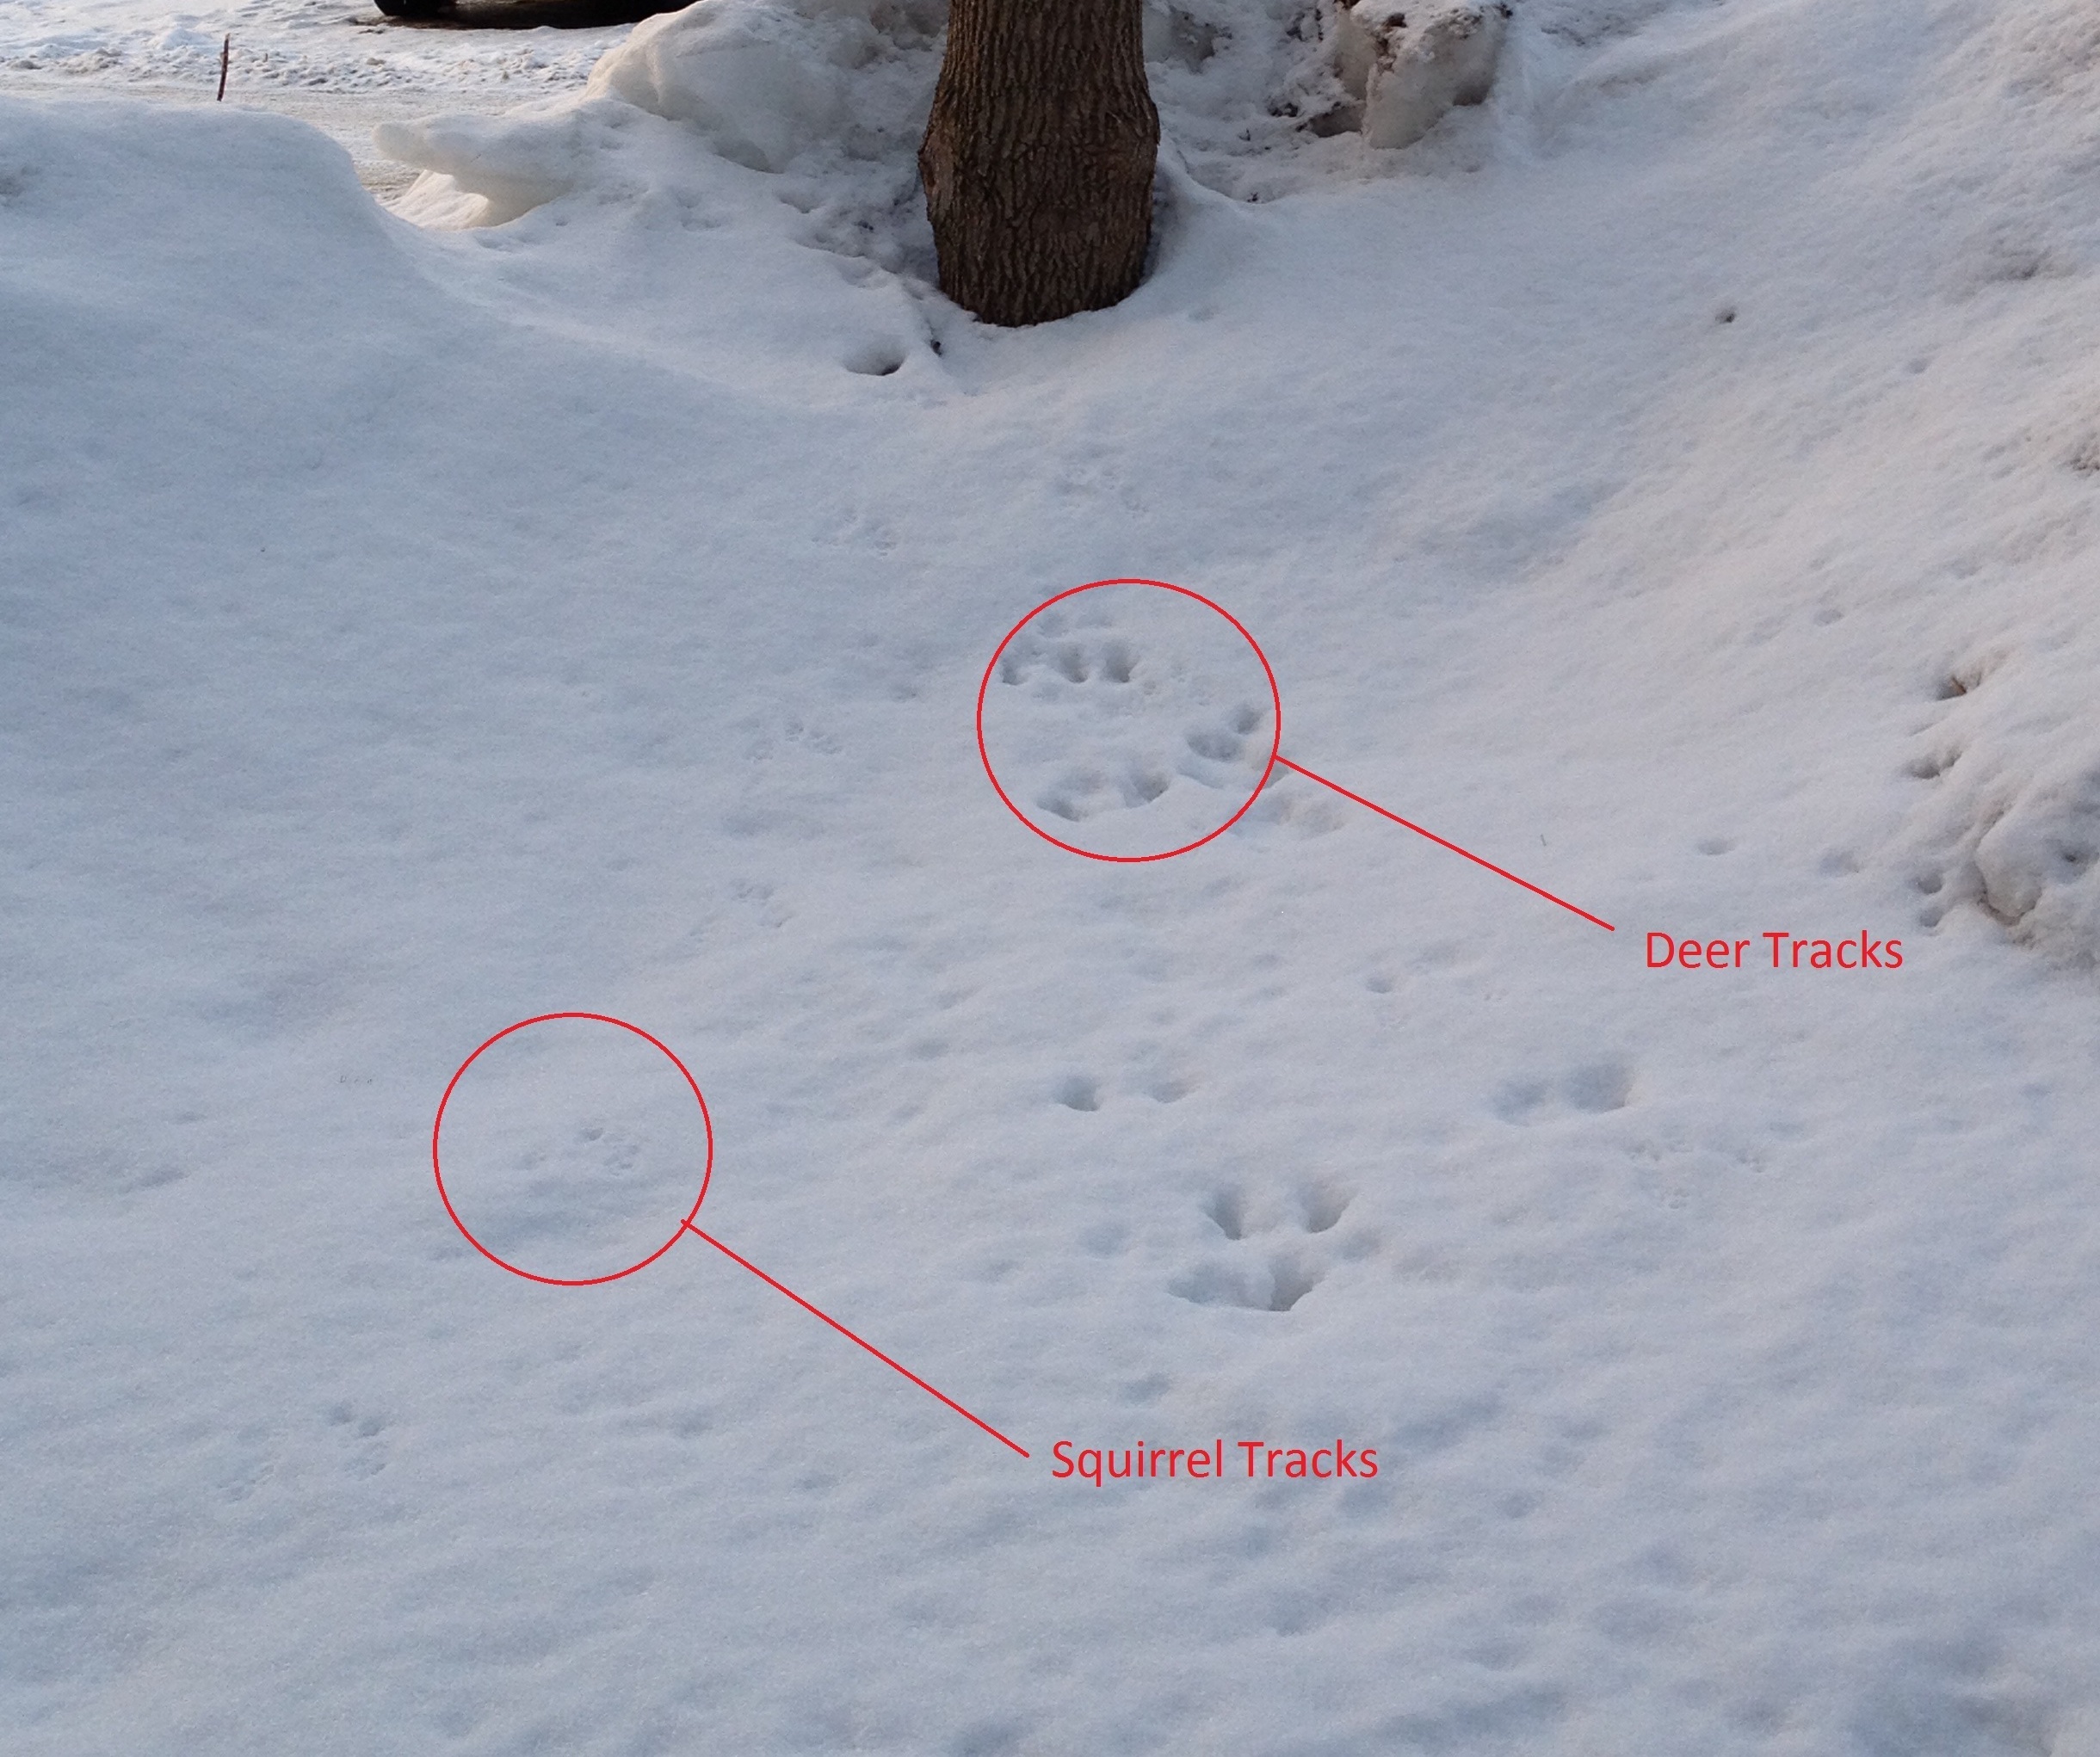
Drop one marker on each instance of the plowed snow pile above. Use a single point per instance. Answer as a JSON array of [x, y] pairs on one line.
[[1676, 479]]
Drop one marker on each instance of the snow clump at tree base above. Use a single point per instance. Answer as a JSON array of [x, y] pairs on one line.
[[1250, 92]]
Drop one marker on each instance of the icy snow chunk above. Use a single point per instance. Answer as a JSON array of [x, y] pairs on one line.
[[1409, 63], [760, 82], [513, 166], [764, 81]]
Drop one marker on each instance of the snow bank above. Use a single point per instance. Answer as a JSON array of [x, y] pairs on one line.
[[2007, 758], [840, 90], [2037, 861], [837, 90], [2011, 762], [763, 83]]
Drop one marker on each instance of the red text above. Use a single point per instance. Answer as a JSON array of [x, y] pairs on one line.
[[1257, 1461]]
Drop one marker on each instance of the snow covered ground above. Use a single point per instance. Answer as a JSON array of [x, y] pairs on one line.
[[338, 64], [281, 46], [1673, 479]]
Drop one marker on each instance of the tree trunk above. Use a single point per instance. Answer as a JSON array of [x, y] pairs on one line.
[[1038, 158]]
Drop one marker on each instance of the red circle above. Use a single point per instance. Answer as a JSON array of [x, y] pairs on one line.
[[707, 1122], [1275, 722]]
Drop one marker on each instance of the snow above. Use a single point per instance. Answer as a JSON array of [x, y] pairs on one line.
[[1672, 480], [580, 1200], [283, 46], [1406, 69], [1128, 720], [761, 83]]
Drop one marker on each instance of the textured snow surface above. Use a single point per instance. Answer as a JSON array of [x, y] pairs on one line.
[[283, 46], [1673, 479], [572, 1149], [1129, 720]]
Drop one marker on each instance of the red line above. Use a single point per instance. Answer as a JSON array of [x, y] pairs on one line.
[[1298, 768], [779, 1287]]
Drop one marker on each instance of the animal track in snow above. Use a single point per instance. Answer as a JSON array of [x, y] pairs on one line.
[[1161, 1082], [572, 1149], [1128, 720], [1276, 1251], [1227, 1210], [1295, 807], [361, 1435], [1594, 1088], [1078, 1093]]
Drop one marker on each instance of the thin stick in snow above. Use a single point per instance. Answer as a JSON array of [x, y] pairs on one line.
[[225, 55]]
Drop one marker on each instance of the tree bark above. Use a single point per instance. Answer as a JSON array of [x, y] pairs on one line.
[[1037, 156]]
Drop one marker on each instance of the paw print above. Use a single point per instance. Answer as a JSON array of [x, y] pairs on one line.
[[362, 1435], [1592, 1089], [1275, 1252]]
